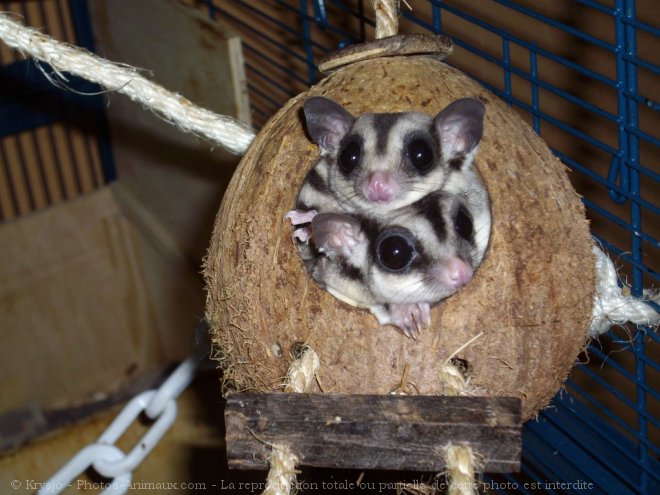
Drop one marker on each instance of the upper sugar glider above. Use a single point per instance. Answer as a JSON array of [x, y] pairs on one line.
[[379, 162]]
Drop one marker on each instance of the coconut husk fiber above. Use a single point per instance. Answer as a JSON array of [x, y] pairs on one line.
[[531, 298]]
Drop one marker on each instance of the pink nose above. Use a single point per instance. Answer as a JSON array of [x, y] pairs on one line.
[[381, 186], [455, 273]]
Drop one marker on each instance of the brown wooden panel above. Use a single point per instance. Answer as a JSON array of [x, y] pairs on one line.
[[372, 431]]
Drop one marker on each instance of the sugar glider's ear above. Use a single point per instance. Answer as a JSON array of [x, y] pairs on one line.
[[460, 127], [327, 122]]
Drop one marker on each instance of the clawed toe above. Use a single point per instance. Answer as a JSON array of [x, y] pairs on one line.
[[411, 319], [299, 217], [302, 234]]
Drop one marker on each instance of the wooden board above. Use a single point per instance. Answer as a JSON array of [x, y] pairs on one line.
[[372, 431], [88, 304], [178, 178]]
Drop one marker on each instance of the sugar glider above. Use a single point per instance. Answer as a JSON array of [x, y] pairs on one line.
[[379, 162], [400, 266]]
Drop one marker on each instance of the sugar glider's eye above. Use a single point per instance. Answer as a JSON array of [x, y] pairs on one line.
[[395, 250], [463, 223], [420, 153], [349, 157]]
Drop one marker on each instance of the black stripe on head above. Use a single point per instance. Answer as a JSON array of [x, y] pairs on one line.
[[369, 226], [456, 163], [464, 224], [429, 207], [383, 123], [349, 271], [422, 262], [315, 180]]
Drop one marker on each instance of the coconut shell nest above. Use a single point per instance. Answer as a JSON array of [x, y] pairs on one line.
[[531, 298]]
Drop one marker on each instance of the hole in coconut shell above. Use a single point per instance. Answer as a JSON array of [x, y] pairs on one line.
[[461, 364], [298, 349], [276, 350]]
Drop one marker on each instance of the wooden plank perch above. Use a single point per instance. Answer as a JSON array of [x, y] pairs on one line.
[[372, 431]]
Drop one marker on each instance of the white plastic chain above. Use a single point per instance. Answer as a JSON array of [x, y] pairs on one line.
[[158, 405]]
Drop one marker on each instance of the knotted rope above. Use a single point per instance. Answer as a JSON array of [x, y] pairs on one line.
[[387, 17], [282, 473]]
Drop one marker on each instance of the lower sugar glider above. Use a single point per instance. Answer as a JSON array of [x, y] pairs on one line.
[[379, 162], [399, 265]]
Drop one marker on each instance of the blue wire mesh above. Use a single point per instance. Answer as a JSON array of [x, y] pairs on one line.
[[584, 74]]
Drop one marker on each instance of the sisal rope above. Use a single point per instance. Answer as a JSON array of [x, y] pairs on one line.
[[452, 380], [302, 372], [387, 17], [614, 305], [227, 132], [461, 470], [459, 458], [282, 473]]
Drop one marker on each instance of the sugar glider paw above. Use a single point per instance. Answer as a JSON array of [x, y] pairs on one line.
[[336, 233], [299, 217], [409, 319]]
